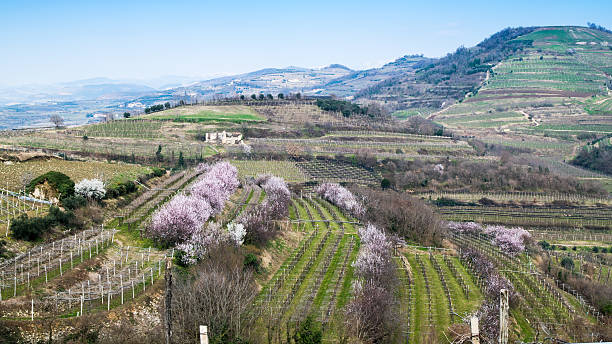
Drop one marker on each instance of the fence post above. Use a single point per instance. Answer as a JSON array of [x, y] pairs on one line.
[[203, 334], [474, 330], [503, 316], [168, 301]]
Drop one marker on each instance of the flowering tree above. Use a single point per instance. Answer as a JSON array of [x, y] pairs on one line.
[[226, 174], [341, 197], [259, 221], [511, 240], [374, 259], [278, 197], [219, 182], [370, 313], [201, 242], [181, 221], [212, 192], [237, 232], [246, 149], [90, 188], [465, 227], [493, 283], [178, 219]]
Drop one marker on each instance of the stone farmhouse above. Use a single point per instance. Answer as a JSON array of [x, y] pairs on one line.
[[224, 138]]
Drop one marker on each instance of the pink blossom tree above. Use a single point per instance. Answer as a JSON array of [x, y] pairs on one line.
[[370, 315], [341, 197], [216, 186], [177, 220], [259, 221], [511, 240], [465, 227], [201, 242], [374, 259], [181, 220]]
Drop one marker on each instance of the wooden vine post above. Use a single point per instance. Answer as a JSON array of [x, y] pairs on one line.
[[474, 330], [203, 334], [503, 316], [168, 301]]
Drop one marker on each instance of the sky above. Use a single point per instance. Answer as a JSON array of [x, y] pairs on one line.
[[56, 41]]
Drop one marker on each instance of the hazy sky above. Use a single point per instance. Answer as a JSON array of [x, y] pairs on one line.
[[54, 40]]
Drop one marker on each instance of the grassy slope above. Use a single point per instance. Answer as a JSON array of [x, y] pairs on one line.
[[203, 113]]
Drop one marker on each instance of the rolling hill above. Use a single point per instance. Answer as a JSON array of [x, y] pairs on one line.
[[560, 83]]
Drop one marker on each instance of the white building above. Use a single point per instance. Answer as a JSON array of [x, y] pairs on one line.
[[224, 138]]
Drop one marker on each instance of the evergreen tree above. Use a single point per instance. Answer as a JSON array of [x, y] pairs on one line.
[[308, 333], [158, 154], [181, 161]]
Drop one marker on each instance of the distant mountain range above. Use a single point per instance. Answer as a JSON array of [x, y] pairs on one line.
[[409, 82]]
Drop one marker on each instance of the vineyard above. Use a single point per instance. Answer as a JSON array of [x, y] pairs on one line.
[[285, 169], [136, 128], [315, 279], [550, 216], [48, 279], [438, 291], [381, 146], [137, 211], [15, 204], [544, 304], [337, 172], [534, 198], [14, 176], [125, 149]]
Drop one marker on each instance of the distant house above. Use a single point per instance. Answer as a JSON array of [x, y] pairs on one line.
[[224, 138]]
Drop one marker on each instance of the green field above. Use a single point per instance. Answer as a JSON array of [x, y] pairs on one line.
[[404, 114], [198, 113], [599, 106]]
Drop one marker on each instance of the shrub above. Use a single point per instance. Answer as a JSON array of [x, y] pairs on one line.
[[57, 216], [308, 333], [158, 172], [73, 202], [447, 202], [30, 229], [567, 263], [26, 228], [90, 188], [3, 250], [252, 262], [545, 245], [121, 189], [59, 181]]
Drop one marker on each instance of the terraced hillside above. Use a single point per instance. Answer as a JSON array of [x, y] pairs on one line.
[[546, 88]]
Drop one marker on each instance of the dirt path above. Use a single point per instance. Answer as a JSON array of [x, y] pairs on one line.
[[532, 120]]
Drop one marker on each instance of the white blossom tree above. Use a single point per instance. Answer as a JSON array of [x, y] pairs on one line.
[[90, 189]]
